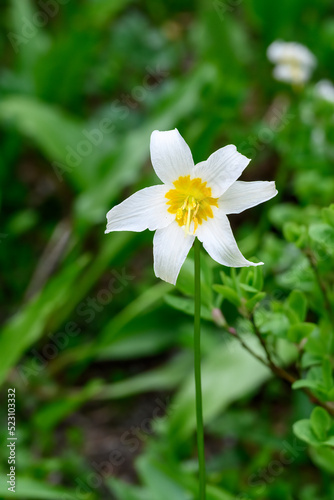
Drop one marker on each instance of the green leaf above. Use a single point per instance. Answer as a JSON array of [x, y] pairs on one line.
[[295, 233], [187, 306], [163, 378], [320, 422], [50, 415], [101, 12], [141, 341], [310, 384], [323, 457], [282, 212], [228, 293], [125, 491], [318, 343], [161, 484], [322, 233], [30, 323], [298, 303], [54, 132], [30, 489], [330, 441], [251, 303], [169, 481], [300, 331], [248, 288], [327, 373], [148, 299], [275, 323], [255, 277], [328, 215], [304, 431]]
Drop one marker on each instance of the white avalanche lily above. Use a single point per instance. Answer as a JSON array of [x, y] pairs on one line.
[[325, 90], [294, 62], [192, 201]]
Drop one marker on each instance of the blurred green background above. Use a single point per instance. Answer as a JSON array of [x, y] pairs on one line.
[[98, 350]]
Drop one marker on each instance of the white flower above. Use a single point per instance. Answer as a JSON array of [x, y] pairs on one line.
[[192, 201], [294, 62], [325, 90]]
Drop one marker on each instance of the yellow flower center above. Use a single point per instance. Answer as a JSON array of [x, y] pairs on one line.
[[190, 201]]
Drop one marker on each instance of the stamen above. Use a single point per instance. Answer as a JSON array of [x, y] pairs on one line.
[[179, 213], [185, 203], [188, 220], [190, 201], [195, 224]]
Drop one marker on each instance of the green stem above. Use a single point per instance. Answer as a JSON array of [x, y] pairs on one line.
[[197, 362]]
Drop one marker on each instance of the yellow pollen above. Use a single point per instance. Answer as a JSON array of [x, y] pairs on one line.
[[191, 202]]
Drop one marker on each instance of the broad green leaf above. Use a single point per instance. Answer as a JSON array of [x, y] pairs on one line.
[[28, 325], [228, 293], [298, 303], [55, 133], [248, 288], [323, 457], [300, 331], [322, 233], [140, 342], [304, 431], [164, 480], [251, 303], [187, 306], [31, 489], [327, 372], [125, 491], [328, 215], [274, 323], [310, 384], [295, 233], [320, 422], [163, 378], [330, 441], [148, 299], [100, 12], [161, 484], [50, 415]]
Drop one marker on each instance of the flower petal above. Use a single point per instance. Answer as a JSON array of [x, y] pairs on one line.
[[218, 240], [221, 169], [243, 195], [171, 156], [325, 90], [276, 51], [145, 209], [292, 74], [170, 248], [280, 51]]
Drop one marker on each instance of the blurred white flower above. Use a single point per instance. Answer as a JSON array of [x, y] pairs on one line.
[[294, 62], [192, 201], [325, 90]]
